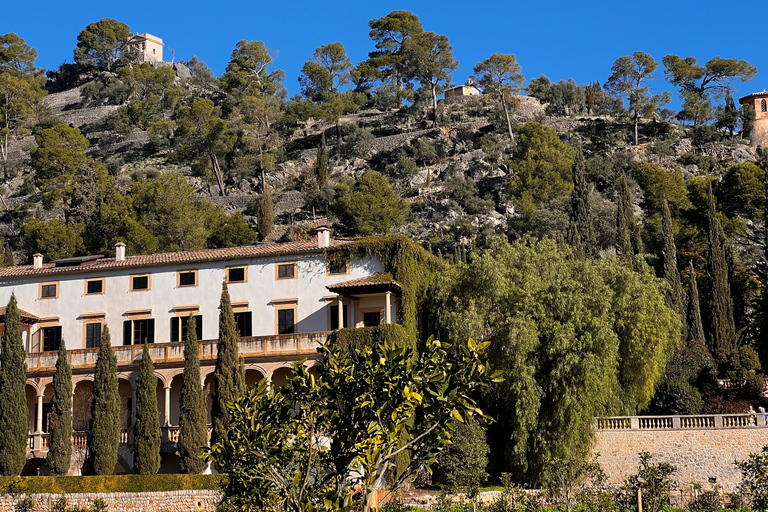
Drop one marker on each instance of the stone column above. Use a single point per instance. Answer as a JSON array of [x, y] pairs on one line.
[[352, 322], [39, 414], [387, 308], [341, 313], [167, 405]]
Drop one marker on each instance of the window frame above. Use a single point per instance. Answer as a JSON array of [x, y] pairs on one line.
[[181, 325], [149, 282], [54, 328], [371, 311], [103, 286], [190, 271], [295, 265], [245, 274], [86, 324], [48, 283], [346, 271], [283, 307], [763, 105], [246, 323]]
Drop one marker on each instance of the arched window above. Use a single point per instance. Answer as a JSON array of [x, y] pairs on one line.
[[763, 106]]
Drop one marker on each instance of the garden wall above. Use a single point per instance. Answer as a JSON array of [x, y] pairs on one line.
[[177, 501]]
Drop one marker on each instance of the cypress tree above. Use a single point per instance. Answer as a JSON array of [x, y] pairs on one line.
[[581, 230], [229, 374], [695, 325], [321, 166], [193, 427], [266, 217], [8, 259], [60, 438], [723, 328], [13, 397], [146, 429], [669, 256], [628, 241], [104, 431]]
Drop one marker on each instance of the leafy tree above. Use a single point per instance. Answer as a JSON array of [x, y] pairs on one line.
[[742, 191], [249, 73], [13, 398], [747, 117], [722, 329], [146, 428], [371, 206], [16, 56], [462, 465], [228, 375], [193, 424], [202, 79], [581, 229], [695, 325], [700, 84], [669, 257], [259, 145], [104, 430], [8, 259], [593, 97], [54, 239], [367, 399], [101, 44], [562, 98], [153, 92], [430, 57], [653, 481], [566, 479], [321, 165], [19, 107], [500, 76], [690, 370], [328, 70], [728, 115], [754, 483], [266, 217], [629, 78], [60, 151], [60, 437]]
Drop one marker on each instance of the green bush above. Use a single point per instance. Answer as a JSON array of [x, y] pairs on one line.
[[107, 483]]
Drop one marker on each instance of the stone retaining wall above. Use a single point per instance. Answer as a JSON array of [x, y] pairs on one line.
[[176, 501]]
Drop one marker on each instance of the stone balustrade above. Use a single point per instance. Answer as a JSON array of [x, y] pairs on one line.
[[696, 422], [169, 436]]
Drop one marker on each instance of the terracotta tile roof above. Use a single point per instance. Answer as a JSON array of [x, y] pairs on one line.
[[26, 316], [371, 283], [148, 260]]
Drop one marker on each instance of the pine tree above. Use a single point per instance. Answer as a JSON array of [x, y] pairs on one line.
[[628, 241], [13, 397], [229, 374], [8, 259], [723, 328], [266, 217], [193, 427], [669, 256], [581, 230], [60, 438], [695, 325], [146, 429], [104, 431], [321, 166]]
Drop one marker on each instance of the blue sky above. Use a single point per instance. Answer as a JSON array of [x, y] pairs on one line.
[[561, 39]]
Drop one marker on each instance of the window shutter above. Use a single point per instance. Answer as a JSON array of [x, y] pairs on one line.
[[175, 321], [248, 331], [151, 330], [127, 331], [334, 318], [199, 326], [289, 322], [56, 337], [344, 313]]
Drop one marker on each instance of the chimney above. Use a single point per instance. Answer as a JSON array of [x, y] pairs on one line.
[[38, 260], [323, 237], [119, 251]]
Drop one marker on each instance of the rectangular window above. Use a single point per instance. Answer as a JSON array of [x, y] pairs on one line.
[[371, 319], [51, 338], [286, 270], [49, 290], [186, 278], [179, 327], [94, 287], [244, 321], [93, 335], [136, 332], [337, 267], [236, 275], [286, 320], [140, 283], [334, 312]]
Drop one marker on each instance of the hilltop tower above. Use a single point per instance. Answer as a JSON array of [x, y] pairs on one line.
[[150, 47], [759, 134]]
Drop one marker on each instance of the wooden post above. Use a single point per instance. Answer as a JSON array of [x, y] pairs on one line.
[[639, 500]]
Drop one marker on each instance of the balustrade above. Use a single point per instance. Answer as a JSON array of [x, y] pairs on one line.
[[697, 422]]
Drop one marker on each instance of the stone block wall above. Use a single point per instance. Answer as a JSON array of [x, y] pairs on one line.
[[176, 501]]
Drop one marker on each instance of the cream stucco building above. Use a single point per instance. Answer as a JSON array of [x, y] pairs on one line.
[[150, 47]]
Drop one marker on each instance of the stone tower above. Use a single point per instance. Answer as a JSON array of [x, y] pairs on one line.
[[759, 100]]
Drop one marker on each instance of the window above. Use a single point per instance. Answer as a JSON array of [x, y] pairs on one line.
[[93, 335], [244, 321], [371, 319], [334, 312], [763, 106], [286, 318], [140, 283], [237, 275], [51, 338], [179, 327], [338, 267], [136, 332], [49, 290], [94, 287], [286, 270], [186, 278]]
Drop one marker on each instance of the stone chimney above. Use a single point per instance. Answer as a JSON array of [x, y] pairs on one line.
[[119, 251], [37, 260], [323, 237]]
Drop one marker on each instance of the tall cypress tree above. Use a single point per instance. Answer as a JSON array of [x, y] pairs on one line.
[[266, 218], [695, 325], [669, 256], [624, 221], [146, 429], [104, 431], [229, 374], [581, 230], [321, 165], [723, 328], [60, 438], [193, 427], [13, 397]]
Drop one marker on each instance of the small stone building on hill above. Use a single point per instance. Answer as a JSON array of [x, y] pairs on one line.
[[759, 134], [150, 47], [468, 89]]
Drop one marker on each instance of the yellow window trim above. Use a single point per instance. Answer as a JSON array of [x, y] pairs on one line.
[[283, 263], [40, 290], [94, 314], [189, 309], [345, 273], [245, 274], [178, 278], [240, 306], [103, 286], [139, 314], [149, 282], [294, 307]]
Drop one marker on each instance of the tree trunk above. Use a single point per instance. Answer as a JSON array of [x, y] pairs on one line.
[[509, 123], [4, 147], [637, 120], [217, 172], [434, 105]]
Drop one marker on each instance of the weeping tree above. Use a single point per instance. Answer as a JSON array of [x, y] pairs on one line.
[[104, 431], [60, 438], [193, 427], [13, 398], [146, 430]]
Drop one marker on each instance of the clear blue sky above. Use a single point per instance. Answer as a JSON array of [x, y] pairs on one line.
[[562, 39]]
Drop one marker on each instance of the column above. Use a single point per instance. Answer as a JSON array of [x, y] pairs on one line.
[[39, 413], [167, 405], [352, 322], [387, 308], [341, 313]]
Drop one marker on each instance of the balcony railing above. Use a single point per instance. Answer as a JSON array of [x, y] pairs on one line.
[[698, 422], [127, 355], [168, 435]]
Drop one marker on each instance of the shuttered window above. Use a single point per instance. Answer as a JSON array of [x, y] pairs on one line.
[[179, 327], [335, 317], [136, 332], [244, 323], [285, 321], [51, 338], [93, 335]]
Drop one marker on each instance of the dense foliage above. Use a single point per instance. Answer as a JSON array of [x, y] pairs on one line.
[[146, 428], [193, 416], [13, 401], [104, 428], [60, 436]]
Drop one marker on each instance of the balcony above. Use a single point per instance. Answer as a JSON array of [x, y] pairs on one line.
[[693, 422], [253, 348], [169, 436]]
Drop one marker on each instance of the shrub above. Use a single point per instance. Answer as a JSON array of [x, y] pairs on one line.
[[107, 483]]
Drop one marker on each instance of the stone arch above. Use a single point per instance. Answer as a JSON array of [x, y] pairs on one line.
[[208, 390], [32, 464], [763, 105], [280, 376], [253, 376], [176, 382], [170, 464], [81, 404], [127, 407], [123, 467], [30, 391]]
